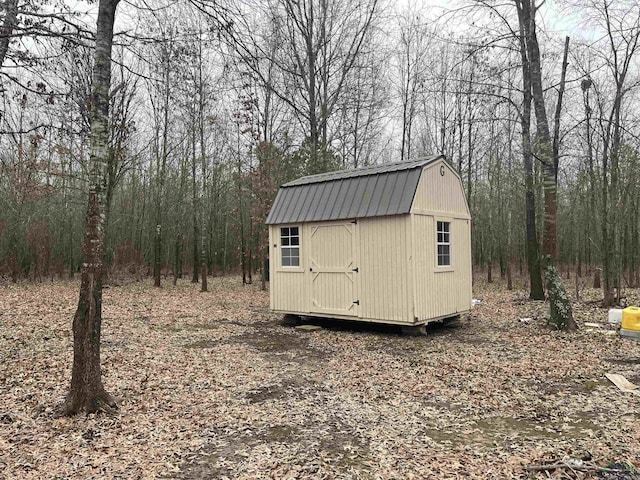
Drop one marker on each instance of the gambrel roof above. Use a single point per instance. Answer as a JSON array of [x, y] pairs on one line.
[[373, 191]]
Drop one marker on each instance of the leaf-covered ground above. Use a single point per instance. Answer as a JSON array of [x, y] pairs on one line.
[[212, 386]]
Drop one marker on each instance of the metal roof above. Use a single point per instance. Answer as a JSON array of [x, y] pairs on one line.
[[373, 191]]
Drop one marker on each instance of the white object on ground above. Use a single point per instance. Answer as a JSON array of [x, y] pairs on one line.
[[308, 328], [592, 325], [615, 316], [475, 302], [622, 383]]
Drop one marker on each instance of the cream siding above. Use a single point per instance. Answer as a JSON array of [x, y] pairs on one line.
[[287, 285], [385, 289], [397, 278], [332, 255], [440, 194], [441, 291]]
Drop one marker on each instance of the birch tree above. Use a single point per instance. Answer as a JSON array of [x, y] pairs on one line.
[[87, 392]]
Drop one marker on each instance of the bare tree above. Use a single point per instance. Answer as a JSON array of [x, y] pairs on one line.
[[412, 55], [87, 392], [622, 26], [320, 41], [561, 311]]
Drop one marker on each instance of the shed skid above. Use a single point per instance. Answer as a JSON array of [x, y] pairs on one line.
[[388, 244], [371, 320]]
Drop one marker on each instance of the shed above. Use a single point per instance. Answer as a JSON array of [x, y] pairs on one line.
[[388, 243]]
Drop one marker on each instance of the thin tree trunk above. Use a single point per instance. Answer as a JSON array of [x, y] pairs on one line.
[[87, 392], [194, 207]]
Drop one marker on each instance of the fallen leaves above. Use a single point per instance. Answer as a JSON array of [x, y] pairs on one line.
[[211, 385]]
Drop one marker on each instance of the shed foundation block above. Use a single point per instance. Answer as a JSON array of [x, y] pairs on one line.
[[290, 320], [414, 331]]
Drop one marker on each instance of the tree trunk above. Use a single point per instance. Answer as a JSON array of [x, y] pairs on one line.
[[536, 290], [561, 314], [203, 258], [8, 25], [194, 208], [87, 394], [203, 217]]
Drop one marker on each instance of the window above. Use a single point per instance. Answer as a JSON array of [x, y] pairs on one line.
[[443, 244], [290, 246]]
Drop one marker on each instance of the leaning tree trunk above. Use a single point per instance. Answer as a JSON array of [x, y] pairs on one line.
[[87, 394], [561, 313]]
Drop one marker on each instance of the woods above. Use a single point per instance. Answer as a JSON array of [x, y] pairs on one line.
[[142, 146], [214, 110]]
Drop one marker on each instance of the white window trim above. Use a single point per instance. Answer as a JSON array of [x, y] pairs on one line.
[[449, 267], [290, 268]]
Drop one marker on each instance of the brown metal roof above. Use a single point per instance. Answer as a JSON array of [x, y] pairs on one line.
[[373, 191]]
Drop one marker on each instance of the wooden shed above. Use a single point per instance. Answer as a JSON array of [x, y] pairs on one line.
[[387, 243]]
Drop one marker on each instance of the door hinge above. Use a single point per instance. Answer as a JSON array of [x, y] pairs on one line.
[[357, 302], [354, 221], [355, 270], [310, 269]]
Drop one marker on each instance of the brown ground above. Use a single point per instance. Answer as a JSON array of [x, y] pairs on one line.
[[212, 386]]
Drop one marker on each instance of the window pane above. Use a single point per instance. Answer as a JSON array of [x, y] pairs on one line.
[[445, 237], [290, 246], [446, 249], [439, 237]]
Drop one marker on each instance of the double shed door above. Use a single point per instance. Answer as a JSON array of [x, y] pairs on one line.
[[333, 269]]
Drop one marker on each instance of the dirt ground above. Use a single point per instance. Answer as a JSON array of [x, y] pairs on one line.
[[211, 385]]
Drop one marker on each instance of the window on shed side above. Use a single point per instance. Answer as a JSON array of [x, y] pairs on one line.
[[290, 246], [443, 232]]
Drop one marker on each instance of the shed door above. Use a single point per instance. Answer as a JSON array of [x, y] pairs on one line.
[[333, 269]]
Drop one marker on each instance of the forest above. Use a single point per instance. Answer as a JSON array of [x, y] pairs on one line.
[[213, 106], [142, 145]]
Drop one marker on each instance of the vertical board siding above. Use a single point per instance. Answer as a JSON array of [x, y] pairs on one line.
[[288, 288], [397, 277], [437, 193], [385, 289], [331, 256], [438, 292]]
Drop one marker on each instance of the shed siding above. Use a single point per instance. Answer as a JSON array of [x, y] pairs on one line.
[[397, 280], [287, 287], [385, 289], [441, 291], [440, 193]]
